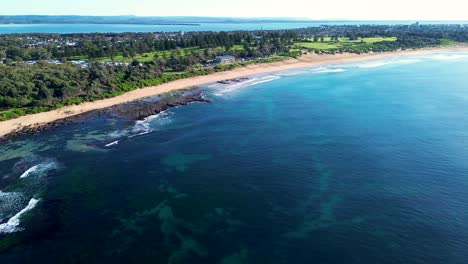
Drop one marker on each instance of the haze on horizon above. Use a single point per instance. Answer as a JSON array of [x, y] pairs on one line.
[[332, 9]]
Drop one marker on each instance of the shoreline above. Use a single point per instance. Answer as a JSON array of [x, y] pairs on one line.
[[309, 60]]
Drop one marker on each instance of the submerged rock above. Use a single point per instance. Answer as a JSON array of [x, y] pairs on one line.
[[136, 110], [236, 80], [141, 109]]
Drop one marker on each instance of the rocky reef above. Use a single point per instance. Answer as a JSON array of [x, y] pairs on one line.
[[141, 109], [136, 110]]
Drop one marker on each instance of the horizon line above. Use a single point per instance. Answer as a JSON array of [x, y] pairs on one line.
[[232, 17]]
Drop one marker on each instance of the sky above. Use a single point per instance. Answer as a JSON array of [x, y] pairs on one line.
[[319, 9]]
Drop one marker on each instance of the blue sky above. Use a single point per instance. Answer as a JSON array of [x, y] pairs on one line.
[[319, 9]]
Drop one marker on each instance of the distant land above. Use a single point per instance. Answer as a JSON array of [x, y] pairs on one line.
[[178, 20], [72, 19]]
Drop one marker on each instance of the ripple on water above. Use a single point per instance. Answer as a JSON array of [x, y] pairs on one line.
[[239, 257], [10, 202], [181, 162]]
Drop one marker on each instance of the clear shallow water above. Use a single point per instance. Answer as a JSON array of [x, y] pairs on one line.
[[115, 28], [356, 163]]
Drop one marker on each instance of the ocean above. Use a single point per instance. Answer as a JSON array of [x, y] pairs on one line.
[[362, 162], [116, 28]]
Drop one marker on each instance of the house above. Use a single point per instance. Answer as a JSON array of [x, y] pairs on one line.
[[81, 63], [225, 59]]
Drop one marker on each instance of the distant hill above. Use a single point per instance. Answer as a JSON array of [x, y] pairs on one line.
[[43, 19]]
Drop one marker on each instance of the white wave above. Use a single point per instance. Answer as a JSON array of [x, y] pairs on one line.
[[147, 125], [449, 56], [214, 85], [12, 224], [39, 169], [29, 171], [292, 73], [251, 82], [380, 63], [327, 70], [9, 202], [141, 134], [112, 143], [263, 81], [373, 64], [406, 61], [142, 127]]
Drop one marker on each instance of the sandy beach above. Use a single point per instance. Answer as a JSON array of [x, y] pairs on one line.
[[308, 60]]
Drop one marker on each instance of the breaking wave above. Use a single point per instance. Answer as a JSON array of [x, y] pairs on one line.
[[12, 225], [40, 169], [384, 62], [263, 80], [10, 202], [373, 64], [292, 72], [223, 89], [327, 70], [112, 143], [29, 171], [34, 165], [449, 56], [18, 199], [141, 127]]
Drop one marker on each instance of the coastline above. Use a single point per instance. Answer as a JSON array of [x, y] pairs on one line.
[[309, 60]]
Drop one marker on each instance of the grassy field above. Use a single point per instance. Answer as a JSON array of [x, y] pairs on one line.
[[147, 57], [448, 42], [150, 56], [329, 44]]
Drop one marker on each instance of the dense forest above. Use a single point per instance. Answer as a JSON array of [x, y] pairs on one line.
[[39, 72]]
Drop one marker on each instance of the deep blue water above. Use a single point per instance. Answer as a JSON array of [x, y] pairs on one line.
[[353, 163], [115, 28]]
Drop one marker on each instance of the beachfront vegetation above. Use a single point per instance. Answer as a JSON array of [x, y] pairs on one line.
[[338, 43], [39, 72]]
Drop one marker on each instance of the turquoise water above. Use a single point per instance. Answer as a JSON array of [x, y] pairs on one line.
[[115, 28], [352, 163]]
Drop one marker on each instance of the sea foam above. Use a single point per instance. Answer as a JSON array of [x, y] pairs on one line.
[[449, 56], [12, 225], [373, 64], [39, 169], [9, 202], [112, 143], [29, 171], [149, 124], [223, 89], [141, 127], [384, 62], [327, 70]]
